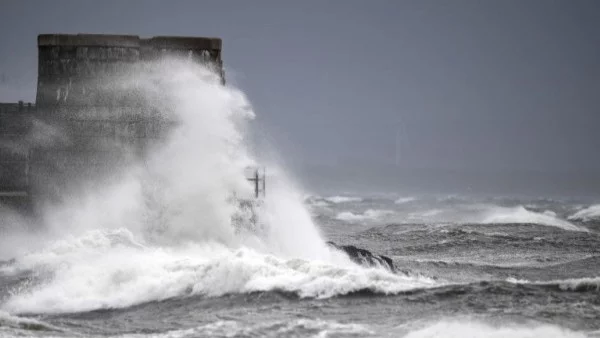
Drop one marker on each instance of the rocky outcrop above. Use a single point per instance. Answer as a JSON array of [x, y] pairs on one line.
[[365, 257]]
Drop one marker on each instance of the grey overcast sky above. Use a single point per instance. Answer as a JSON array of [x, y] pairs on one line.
[[511, 85]]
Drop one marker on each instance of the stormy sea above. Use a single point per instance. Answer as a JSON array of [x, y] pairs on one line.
[[164, 249]]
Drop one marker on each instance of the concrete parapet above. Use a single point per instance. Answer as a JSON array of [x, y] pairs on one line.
[[80, 40]]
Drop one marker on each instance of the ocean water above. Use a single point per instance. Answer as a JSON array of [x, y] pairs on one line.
[[155, 253]]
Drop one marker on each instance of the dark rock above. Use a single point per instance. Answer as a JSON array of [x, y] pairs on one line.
[[365, 257]]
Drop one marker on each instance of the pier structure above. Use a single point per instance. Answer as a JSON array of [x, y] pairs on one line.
[[81, 127], [15, 123]]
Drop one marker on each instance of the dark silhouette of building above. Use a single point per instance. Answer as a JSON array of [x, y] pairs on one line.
[[81, 127]]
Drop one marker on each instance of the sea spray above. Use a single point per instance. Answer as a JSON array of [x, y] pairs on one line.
[[474, 328], [162, 227], [291, 231], [203, 160], [587, 214]]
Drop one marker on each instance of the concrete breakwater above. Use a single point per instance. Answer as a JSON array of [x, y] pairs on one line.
[[82, 125]]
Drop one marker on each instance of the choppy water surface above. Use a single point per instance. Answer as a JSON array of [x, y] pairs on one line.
[[530, 276], [155, 254]]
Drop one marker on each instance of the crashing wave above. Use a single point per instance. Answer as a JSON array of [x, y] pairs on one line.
[[101, 277], [590, 213], [164, 229], [369, 215], [519, 214], [288, 328], [574, 284], [14, 322], [404, 200], [342, 199], [460, 329]]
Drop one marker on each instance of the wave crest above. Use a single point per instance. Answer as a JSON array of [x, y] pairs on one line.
[[459, 329], [590, 213], [520, 214], [342, 199], [368, 215], [298, 327], [573, 284], [90, 278]]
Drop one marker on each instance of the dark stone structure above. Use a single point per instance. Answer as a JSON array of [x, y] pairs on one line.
[[15, 123], [82, 126]]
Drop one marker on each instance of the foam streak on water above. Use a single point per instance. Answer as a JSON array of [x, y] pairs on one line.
[[465, 329]]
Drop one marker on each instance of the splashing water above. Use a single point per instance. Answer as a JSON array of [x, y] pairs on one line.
[[164, 228]]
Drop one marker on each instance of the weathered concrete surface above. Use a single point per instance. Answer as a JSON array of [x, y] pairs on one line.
[[89, 128], [15, 122]]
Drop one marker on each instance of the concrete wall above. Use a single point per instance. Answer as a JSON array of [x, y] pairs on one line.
[[96, 127], [15, 122]]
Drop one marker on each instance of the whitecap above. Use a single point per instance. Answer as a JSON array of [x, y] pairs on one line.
[[368, 215], [470, 329], [230, 328], [518, 214], [587, 214], [342, 199], [403, 200], [571, 284], [92, 276]]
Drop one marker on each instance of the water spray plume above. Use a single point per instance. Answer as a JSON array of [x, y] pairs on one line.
[[162, 227]]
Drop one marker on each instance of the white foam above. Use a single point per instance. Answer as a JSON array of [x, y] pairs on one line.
[[572, 284], [368, 215], [108, 271], [460, 329], [229, 328], [432, 212], [164, 229], [315, 202], [403, 200], [15, 322], [342, 199], [578, 283], [319, 204], [587, 214], [519, 214]]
